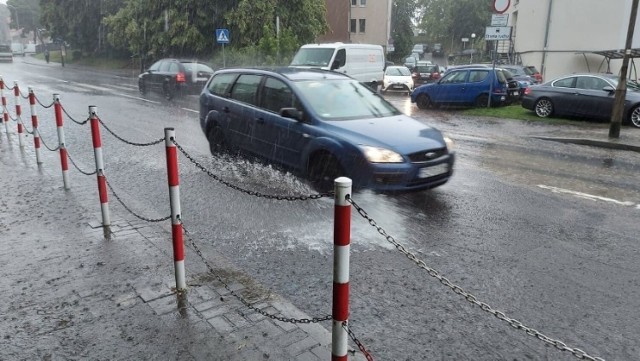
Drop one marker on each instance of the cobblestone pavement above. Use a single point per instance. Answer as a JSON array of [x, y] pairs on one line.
[[71, 293]]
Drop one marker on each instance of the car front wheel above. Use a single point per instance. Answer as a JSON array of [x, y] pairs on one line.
[[543, 108], [423, 101], [634, 116], [142, 87], [323, 169]]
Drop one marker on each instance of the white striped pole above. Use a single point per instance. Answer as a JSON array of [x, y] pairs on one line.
[[63, 151], [34, 124], [5, 114], [174, 200], [16, 92], [102, 180], [341, 249]]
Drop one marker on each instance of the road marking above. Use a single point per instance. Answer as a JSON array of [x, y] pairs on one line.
[[190, 110], [589, 196]]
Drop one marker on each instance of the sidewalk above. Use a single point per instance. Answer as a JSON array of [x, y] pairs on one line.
[[72, 294]]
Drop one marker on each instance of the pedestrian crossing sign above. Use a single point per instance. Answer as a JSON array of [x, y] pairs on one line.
[[222, 36]]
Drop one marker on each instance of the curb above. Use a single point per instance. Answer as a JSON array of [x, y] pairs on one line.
[[612, 144]]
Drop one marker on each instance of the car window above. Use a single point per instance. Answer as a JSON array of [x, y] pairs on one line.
[[164, 66], [565, 83], [198, 66], [220, 83], [590, 82], [277, 95], [343, 99], [156, 65], [5, 48], [454, 77], [173, 67], [246, 88], [503, 75], [398, 71], [478, 75]]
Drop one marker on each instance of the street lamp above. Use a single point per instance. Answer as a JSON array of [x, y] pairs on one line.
[[473, 46]]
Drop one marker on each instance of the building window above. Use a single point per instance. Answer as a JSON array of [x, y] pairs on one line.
[[363, 23], [363, 2], [354, 2], [352, 26]]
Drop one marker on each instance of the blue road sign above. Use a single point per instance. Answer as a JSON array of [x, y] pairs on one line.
[[222, 36]]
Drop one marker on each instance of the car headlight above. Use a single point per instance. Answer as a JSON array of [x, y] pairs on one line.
[[381, 155], [449, 142]]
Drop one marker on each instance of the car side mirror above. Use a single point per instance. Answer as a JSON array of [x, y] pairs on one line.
[[609, 89], [292, 113]]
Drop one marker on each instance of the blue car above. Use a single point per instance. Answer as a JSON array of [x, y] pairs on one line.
[[467, 86], [324, 125]]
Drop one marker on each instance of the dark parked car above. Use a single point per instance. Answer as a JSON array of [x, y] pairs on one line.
[[6, 54], [171, 77], [424, 73], [323, 125], [522, 75], [465, 86], [582, 95], [437, 50], [534, 73]]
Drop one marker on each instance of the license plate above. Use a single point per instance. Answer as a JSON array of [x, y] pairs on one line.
[[433, 171], [515, 93], [397, 86]]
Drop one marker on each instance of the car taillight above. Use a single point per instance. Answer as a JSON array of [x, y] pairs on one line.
[[527, 91], [180, 78], [415, 75], [435, 75]]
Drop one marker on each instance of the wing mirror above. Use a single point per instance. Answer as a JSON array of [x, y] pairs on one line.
[[609, 89], [292, 113]]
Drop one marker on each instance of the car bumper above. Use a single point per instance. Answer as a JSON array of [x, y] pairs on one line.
[[407, 176], [397, 87]]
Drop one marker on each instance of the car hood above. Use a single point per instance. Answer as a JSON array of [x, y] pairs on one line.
[[400, 133]]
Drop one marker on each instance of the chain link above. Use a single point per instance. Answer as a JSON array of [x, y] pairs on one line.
[[240, 298], [468, 296], [45, 144], [361, 347], [249, 192], [73, 120], [19, 119], [78, 168], [24, 96], [129, 209], [9, 113], [129, 142], [44, 106]]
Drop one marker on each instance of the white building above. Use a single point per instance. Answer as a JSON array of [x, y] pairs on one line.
[[562, 36]]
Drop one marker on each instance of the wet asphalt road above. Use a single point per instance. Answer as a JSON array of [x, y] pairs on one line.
[[543, 231]]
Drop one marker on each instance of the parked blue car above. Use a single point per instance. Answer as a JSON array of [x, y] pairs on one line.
[[467, 86], [324, 125]]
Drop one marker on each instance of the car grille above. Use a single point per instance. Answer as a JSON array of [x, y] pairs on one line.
[[387, 178], [427, 155], [418, 181]]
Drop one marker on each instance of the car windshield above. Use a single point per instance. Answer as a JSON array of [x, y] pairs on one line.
[[344, 99], [530, 70], [426, 69], [397, 71], [5, 48], [313, 57]]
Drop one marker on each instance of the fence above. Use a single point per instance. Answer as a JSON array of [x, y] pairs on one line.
[[174, 151]]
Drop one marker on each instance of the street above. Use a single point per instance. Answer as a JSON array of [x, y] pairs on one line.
[[543, 231]]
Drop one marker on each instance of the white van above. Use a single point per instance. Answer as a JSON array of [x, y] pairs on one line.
[[363, 62]]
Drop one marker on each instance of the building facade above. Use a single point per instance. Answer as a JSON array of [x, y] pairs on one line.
[[563, 36], [359, 21]]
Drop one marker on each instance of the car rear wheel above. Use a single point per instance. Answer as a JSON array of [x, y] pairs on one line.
[[423, 101], [217, 141], [167, 92], [323, 169], [482, 100], [543, 108], [634, 116]]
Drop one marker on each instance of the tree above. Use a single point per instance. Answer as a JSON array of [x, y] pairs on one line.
[[402, 27], [26, 13]]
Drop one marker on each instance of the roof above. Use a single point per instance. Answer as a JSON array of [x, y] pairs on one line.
[[618, 53]]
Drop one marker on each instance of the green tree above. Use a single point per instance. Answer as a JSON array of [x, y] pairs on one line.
[[26, 13], [447, 21], [402, 27]]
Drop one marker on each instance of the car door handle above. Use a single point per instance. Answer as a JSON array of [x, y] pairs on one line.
[[226, 110], [260, 120]]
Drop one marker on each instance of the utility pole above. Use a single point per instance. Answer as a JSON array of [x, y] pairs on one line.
[[621, 90]]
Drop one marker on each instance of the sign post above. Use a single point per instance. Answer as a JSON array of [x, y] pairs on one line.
[[222, 37]]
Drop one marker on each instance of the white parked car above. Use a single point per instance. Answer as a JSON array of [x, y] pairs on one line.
[[397, 79]]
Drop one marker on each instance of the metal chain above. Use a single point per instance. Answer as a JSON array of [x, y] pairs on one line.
[[129, 209], [361, 347], [44, 106], [249, 192], [129, 142], [78, 168], [18, 118], [240, 298], [24, 96], [9, 113], [468, 296], [73, 120], [45, 144]]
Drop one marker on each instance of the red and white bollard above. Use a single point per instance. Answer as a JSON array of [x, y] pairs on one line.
[[341, 249], [174, 200], [102, 180], [34, 123], [5, 113], [63, 151], [16, 92]]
